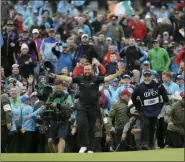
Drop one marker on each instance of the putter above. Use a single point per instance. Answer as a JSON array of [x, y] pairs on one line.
[[118, 146]]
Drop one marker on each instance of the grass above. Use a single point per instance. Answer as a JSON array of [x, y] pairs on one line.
[[153, 155]]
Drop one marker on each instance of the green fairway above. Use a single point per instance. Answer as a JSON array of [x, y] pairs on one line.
[[153, 155]]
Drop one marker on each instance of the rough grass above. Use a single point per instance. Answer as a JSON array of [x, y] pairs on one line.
[[153, 155]]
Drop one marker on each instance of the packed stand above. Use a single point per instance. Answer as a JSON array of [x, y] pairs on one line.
[[76, 78]]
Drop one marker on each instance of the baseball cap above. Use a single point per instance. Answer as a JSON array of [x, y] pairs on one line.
[[165, 33], [35, 31], [52, 29], [114, 80], [85, 35], [35, 11], [147, 73], [166, 42], [24, 98], [152, 7], [80, 31], [180, 77], [146, 63], [15, 66], [125, 92], [155, 41], [159, 20], [147, 17], [113, 17], [25, 30], [65, 45], [108, 39], [126, 76]]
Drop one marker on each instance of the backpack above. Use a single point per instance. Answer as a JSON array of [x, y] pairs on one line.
[[103, 101]]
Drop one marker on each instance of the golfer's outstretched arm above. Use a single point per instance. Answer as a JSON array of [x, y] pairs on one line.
[[113, 76], [64, 78]]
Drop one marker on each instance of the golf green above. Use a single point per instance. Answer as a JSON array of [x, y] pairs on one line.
[[152, 155]]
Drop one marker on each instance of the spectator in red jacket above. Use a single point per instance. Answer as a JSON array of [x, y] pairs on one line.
[[111, 50], [138, 28], [79, 69], [180, 5], [181, 57]]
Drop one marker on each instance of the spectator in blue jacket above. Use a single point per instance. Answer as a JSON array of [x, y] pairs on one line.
[[126, 79], [180, 82], [84, 27], [72, 10], [113, 86], [65, 59], [26, 115], [170, 86], [62, 7], [20, 8], [79, 4], [46, 49], [46, 7], [36, 4]]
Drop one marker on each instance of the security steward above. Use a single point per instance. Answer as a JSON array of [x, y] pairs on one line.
[[88, 108], [6, 119]]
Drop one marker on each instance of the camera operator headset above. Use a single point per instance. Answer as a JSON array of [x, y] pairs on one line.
[[60, 121]]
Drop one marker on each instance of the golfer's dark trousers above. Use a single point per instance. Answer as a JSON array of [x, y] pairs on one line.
[[148, 130], [86, 119], [176, 139]]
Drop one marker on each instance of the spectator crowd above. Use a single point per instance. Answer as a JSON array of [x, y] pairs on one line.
[[141, 108]]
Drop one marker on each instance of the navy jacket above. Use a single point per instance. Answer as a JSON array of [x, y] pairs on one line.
[[148, 98]]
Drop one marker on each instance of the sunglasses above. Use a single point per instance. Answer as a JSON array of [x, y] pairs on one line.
[[147, 75], [9, 24]]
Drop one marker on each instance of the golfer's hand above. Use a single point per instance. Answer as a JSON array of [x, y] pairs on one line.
[[133, 131], [73, 131], [113, 130], [124, 135], [108, 138], [9, 126], [170, 124]]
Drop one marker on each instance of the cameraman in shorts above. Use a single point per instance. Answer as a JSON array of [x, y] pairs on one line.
[[60, 122]]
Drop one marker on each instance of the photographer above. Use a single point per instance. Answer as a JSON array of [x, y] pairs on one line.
[[60, 122]]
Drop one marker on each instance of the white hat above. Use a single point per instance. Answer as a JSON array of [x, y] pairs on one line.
[[35, 31], [165, 33], [108, 39], [85, 35], [24, 45], [159, 20], [147, 17]]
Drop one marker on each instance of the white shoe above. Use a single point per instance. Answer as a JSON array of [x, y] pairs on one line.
[[90, 152], [83, 149]]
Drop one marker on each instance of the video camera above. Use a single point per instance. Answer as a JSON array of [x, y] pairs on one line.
[[47, 96]]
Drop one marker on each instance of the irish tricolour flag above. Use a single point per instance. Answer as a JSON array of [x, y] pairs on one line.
[[123, 8]]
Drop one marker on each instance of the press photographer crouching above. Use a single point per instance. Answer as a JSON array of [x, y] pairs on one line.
[[58, 111]]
